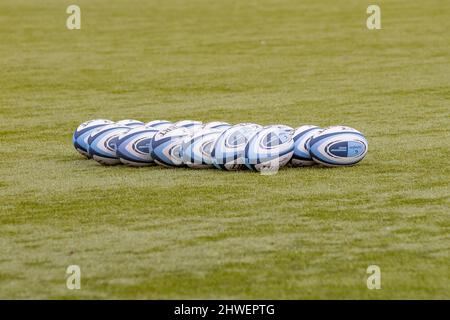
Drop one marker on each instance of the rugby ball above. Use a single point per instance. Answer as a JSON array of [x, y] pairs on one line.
[[190, 124], [196, 149], [130, 123], [338, 146], [217, 125], [81, 135], [133, 147], [302, 137], [160, 124], [166, 146], [229, 150], [102, 143], [270, 148]]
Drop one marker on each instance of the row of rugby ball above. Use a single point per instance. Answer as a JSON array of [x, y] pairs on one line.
[[217, 144]]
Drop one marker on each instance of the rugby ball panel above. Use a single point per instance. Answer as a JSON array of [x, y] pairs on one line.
[[102, 144], [302, 138], [273, 165], [229, 150], [166, 146], [81, 135], [133, 147], [270, 148], [159, 124], [130, 123], [196, 149], [192, 125], [217, 125]]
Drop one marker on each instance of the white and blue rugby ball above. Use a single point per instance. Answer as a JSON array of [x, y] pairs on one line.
[[81, 134], [338, 146], [270, 148], [102, 143], [229, 150], [159, 124], [166, 146], [302, 137], [130, 123], [196, 149], [133, 147]]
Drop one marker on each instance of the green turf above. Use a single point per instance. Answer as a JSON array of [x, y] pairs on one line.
[[178, 233]]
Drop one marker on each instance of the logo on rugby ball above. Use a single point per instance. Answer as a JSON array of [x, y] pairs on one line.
[[338, 146]]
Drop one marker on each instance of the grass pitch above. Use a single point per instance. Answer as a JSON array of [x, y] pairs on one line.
[[178, 233]]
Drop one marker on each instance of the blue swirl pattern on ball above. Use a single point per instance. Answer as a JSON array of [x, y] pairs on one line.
[[302, 138], [196, 149], [166, 146], [81, 135], [102, 143], [134, 146], [270, 148], [229, 150]]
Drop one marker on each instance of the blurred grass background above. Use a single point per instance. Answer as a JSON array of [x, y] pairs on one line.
[[161, 233]]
